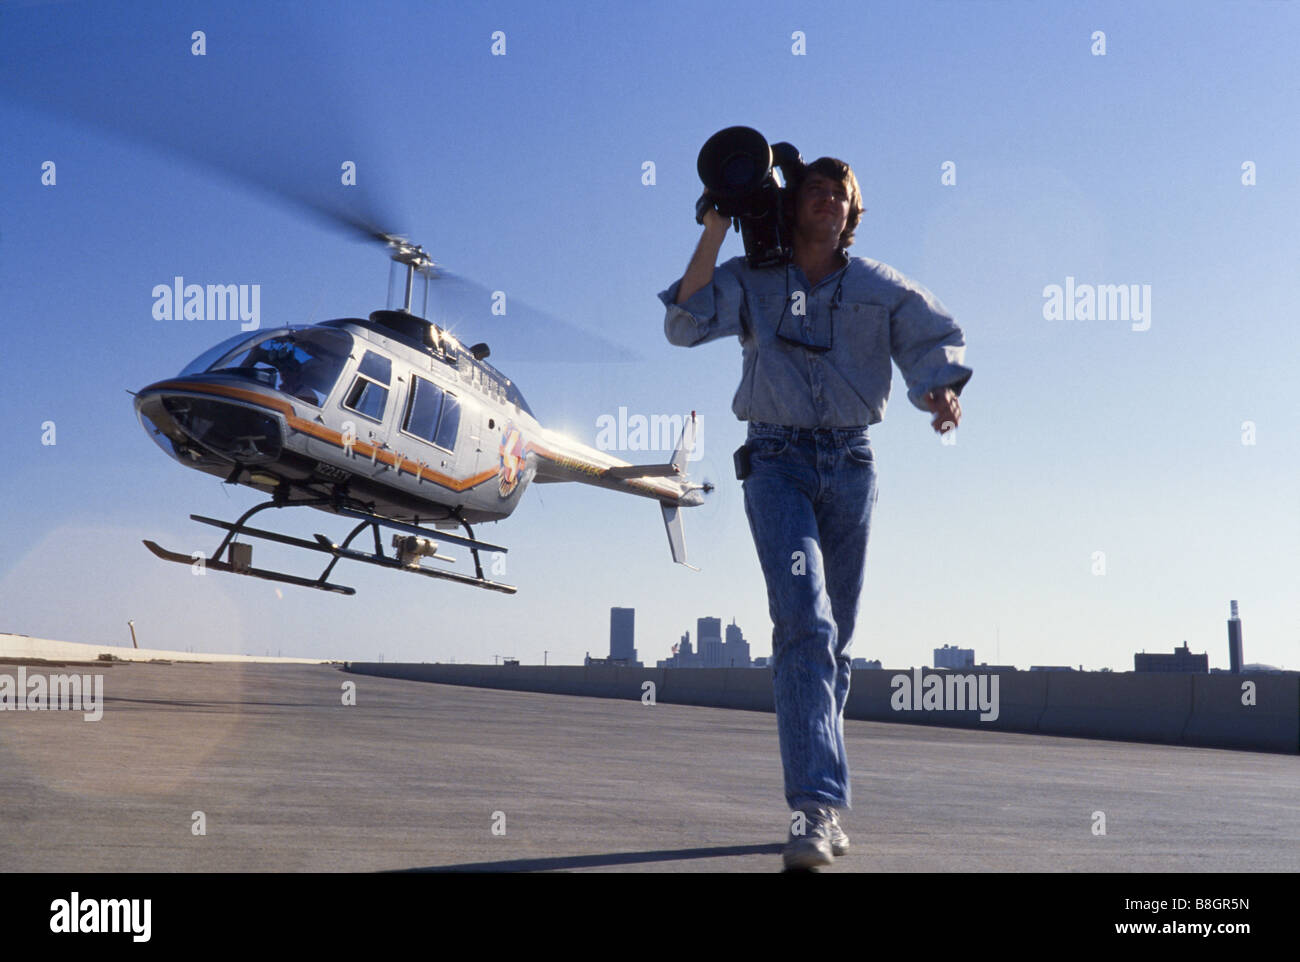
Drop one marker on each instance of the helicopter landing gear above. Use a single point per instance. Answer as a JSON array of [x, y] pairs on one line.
[[408, 549]]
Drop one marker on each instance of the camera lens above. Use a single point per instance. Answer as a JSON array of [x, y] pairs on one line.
[[738, 170]]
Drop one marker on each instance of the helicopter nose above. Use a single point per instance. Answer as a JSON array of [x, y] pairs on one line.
[[193, 428]]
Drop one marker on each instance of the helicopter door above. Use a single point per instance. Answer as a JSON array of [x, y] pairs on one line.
[[365, 406], [439, 419]]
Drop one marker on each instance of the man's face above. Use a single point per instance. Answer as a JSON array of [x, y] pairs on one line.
[[823, 208]]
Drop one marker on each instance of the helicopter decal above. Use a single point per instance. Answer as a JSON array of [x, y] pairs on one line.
[[513, 459]]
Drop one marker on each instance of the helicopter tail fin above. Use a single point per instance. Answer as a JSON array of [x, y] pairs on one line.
[[672, 513], [676, 533], [685, 445]]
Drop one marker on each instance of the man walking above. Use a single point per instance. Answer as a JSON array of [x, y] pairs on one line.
[[817, 334]]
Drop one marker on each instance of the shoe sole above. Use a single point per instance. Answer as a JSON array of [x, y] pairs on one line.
[[806, 857]]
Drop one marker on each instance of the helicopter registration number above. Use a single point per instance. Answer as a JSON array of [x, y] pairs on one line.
[[330, 471]]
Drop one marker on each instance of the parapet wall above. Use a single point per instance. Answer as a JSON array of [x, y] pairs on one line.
[[1249, 711]]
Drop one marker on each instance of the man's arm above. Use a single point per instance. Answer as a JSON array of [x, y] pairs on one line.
[[708, 302], [929, 349], [700, 270]]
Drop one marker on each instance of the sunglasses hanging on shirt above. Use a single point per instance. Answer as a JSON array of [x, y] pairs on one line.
[[809, 329]]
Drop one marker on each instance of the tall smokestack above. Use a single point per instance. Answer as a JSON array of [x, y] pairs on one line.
[[1234, 641]]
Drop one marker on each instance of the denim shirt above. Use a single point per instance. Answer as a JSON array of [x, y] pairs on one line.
[[878, 314]]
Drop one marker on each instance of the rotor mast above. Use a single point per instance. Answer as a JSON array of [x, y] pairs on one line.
[[402, 291]]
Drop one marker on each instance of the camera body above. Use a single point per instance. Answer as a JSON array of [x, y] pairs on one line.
[[737, 167]]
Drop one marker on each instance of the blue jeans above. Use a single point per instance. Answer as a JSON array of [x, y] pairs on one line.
[[808, 498]]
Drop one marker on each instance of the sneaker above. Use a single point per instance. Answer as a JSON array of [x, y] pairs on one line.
[[839, 840], [811, 847]]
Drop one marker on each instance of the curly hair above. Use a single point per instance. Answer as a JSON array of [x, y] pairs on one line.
[[832, 169]]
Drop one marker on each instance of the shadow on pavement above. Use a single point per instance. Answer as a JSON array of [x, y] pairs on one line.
[[612, 858]]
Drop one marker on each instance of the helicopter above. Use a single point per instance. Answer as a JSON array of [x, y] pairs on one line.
[[389, 421]]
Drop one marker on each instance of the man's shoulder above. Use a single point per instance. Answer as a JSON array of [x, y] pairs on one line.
[[750, 277], [740, 266], [864, 272], [876, 272], [890, 285]]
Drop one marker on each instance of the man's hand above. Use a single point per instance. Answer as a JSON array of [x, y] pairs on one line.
[[715, 222], [942, 402], [707, 215]]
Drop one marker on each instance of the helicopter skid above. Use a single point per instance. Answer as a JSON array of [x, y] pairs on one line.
[[238, 556], [215, 565]]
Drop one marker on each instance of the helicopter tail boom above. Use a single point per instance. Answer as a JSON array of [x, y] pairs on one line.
[[561, 459]]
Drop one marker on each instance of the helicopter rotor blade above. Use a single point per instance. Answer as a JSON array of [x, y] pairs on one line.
[[147, 85], [514, 330], [292, 142]]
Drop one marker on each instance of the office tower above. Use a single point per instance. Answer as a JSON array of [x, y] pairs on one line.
[[621, 632], [735, 650], [708, 634]]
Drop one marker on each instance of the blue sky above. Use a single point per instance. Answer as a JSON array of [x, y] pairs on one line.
[[524, 172]]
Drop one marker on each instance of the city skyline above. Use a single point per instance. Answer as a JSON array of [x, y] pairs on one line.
[[710, 651]]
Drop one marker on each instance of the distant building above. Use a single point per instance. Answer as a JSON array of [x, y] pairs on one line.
[[1181, 660], [683, 656], [612, 662], [1050, 668], [735, 650], [1234, 640], [688, 657], [622, 633], [864, 663], [708, 632], [711, 650], [950, 656], [760, 663]]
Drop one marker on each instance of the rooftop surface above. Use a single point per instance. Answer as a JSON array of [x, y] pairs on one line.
[[425, 776]]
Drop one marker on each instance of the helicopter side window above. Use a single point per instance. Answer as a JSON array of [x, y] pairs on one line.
[[369, 392], [448, 424], [423, 409], [432, 414]]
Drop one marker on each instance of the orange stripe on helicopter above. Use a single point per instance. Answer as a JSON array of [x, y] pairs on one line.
[[655, 487], [416, 469]]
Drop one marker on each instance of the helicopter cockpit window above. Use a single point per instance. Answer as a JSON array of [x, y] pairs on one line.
[[376, 367], [369, 392], [302, 363], [213, 354]]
